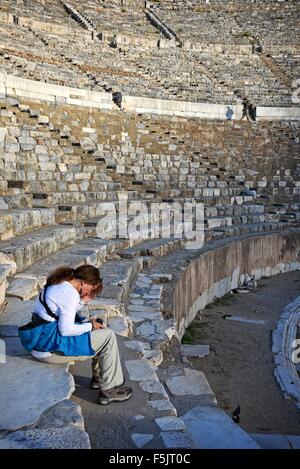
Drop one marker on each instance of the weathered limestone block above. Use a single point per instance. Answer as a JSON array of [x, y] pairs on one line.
[[193, 382], [23, 287], [164, 406], [121, 326], [3, 133], [170, 423], [4, 272], [50, 438], [111, 306], [7, 260], [19, 377], [63, 414], [211, 428], [140, 370]]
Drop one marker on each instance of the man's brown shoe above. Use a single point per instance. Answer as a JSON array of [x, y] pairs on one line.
[[116, 394]]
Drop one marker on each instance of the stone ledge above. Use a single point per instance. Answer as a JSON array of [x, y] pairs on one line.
[[16, 86], [283, 337], [253, 256]]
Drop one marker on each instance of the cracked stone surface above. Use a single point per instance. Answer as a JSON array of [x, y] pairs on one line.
[[162, 405], [119, 325], [154, 387], [154, 330], [170, 423], [17, 313], [175, 439], [52, 438], [23, 287], [46, 385], [211, 428], [140, 370], [63, 414], [138, 345], [192, 382], [141, 439]]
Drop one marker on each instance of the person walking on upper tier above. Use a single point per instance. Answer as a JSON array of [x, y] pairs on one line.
[[57, 334]]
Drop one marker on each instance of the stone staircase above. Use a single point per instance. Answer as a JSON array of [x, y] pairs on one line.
[[80, 18], [162, 27], [277, 70]]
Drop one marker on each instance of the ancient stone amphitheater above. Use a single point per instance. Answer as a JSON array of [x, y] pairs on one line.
[[70, 151]]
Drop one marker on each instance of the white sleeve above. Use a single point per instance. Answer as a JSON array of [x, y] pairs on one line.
[[66, 326]]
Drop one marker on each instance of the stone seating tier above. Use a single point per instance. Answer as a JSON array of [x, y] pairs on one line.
[[136, 70], [81, 158]]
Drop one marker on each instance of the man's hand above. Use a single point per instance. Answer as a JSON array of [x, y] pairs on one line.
[[97, 325]]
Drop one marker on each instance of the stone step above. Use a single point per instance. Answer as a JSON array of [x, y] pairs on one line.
[[222, 200], [22, 251], [117, 274], [235, 230], [155, 248], [216, 191], [230, 210], [272, 217], [70, 198], [16, 201], [26, 284], [211, 222], [211, 428], [18, 222], [288, 217], [129, 216]]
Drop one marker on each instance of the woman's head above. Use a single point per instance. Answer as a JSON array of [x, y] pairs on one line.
[[86, 277]]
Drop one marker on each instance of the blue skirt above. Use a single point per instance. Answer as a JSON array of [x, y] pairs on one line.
[[44, 336]]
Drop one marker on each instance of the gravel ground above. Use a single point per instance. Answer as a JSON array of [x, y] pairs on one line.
[[240, 367]]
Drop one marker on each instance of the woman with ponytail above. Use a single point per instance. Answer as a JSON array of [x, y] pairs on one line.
[[57, 334]]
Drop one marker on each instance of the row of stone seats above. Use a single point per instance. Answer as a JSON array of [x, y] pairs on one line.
[[72, 173], [266, 20], [41, 11], [248, 74], [205, 27], [138, 71], [271, 18], [69, 204], [112, 18]]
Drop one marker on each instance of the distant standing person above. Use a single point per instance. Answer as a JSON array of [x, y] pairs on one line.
[[245, 110]]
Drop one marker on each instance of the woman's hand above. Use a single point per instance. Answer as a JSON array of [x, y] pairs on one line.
[[97, 325], [86, 298]]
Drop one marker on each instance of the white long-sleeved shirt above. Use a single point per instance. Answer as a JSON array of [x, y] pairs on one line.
[[64, 301]]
